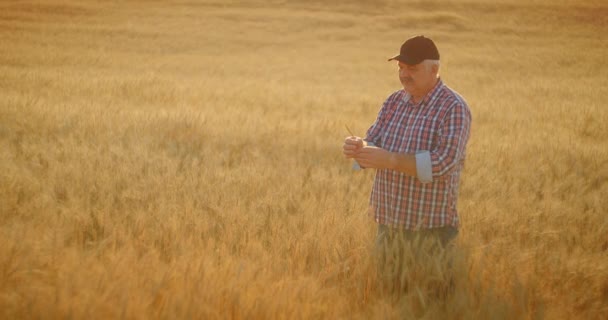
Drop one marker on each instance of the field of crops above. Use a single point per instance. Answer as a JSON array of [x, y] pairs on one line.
[[183, 159]]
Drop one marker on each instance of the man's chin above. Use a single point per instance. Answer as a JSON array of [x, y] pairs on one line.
[[410, 89]]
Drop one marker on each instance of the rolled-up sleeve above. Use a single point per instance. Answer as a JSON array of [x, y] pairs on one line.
[[452, 140], [424, 167]]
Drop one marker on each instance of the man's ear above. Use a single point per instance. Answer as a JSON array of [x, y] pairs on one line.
[[435, 69]]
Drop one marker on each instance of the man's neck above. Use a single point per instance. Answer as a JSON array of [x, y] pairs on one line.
[[418, 97]]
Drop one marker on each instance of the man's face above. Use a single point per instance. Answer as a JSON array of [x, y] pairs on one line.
[[416, 79]]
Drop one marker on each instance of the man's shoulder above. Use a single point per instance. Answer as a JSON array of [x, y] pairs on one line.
[[452, 102], [397, 95], [451, 96], [393, 100]]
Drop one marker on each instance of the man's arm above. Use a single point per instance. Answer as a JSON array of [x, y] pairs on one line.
[[387, 109], [378, 158], [453, 138], [425, 164]]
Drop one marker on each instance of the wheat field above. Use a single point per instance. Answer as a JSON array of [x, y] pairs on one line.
[[182, 159]]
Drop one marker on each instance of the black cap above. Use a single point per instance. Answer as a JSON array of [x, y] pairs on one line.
[[416, 50]]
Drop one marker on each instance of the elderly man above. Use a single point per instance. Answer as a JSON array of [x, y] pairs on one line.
[[417, 146]]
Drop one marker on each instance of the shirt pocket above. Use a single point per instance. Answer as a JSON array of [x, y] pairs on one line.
[[426, 133]]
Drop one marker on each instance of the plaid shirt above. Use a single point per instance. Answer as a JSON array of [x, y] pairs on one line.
[[437, 126]]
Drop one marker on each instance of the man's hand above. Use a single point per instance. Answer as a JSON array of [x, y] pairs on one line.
[[374, 157], [352, 145], [378, 158]]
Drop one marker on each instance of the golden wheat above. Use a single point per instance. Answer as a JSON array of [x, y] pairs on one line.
[[183, 159]]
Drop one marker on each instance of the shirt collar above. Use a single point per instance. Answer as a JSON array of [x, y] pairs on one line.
[[429, 96]]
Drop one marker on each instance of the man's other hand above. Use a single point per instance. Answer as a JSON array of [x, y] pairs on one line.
[[352, 145], [374, 157]]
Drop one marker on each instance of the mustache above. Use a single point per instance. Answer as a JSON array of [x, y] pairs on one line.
[[406, 79]]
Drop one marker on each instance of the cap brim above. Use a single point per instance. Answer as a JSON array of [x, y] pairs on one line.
[[405, 59]]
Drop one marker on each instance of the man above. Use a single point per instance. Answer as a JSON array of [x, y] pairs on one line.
[[417, 146]]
